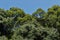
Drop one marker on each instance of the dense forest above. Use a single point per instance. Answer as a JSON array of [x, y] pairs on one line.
[[15, 24]]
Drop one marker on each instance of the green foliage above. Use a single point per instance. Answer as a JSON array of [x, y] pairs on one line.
[[15, 24], [3, 38], [39, 13]]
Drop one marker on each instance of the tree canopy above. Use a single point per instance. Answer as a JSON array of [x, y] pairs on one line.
[[15, 24]]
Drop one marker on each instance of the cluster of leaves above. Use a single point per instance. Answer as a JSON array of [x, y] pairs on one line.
[[15, 24]]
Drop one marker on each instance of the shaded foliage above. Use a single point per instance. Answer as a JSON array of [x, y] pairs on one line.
[[15, 24]]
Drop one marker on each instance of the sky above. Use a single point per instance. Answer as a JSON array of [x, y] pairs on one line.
[[29, 6]]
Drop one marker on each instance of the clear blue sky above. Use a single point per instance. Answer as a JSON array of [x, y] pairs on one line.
[[29, 6]]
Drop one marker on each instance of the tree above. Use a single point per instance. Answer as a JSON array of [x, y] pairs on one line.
[[15, 24], [38, 13]]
